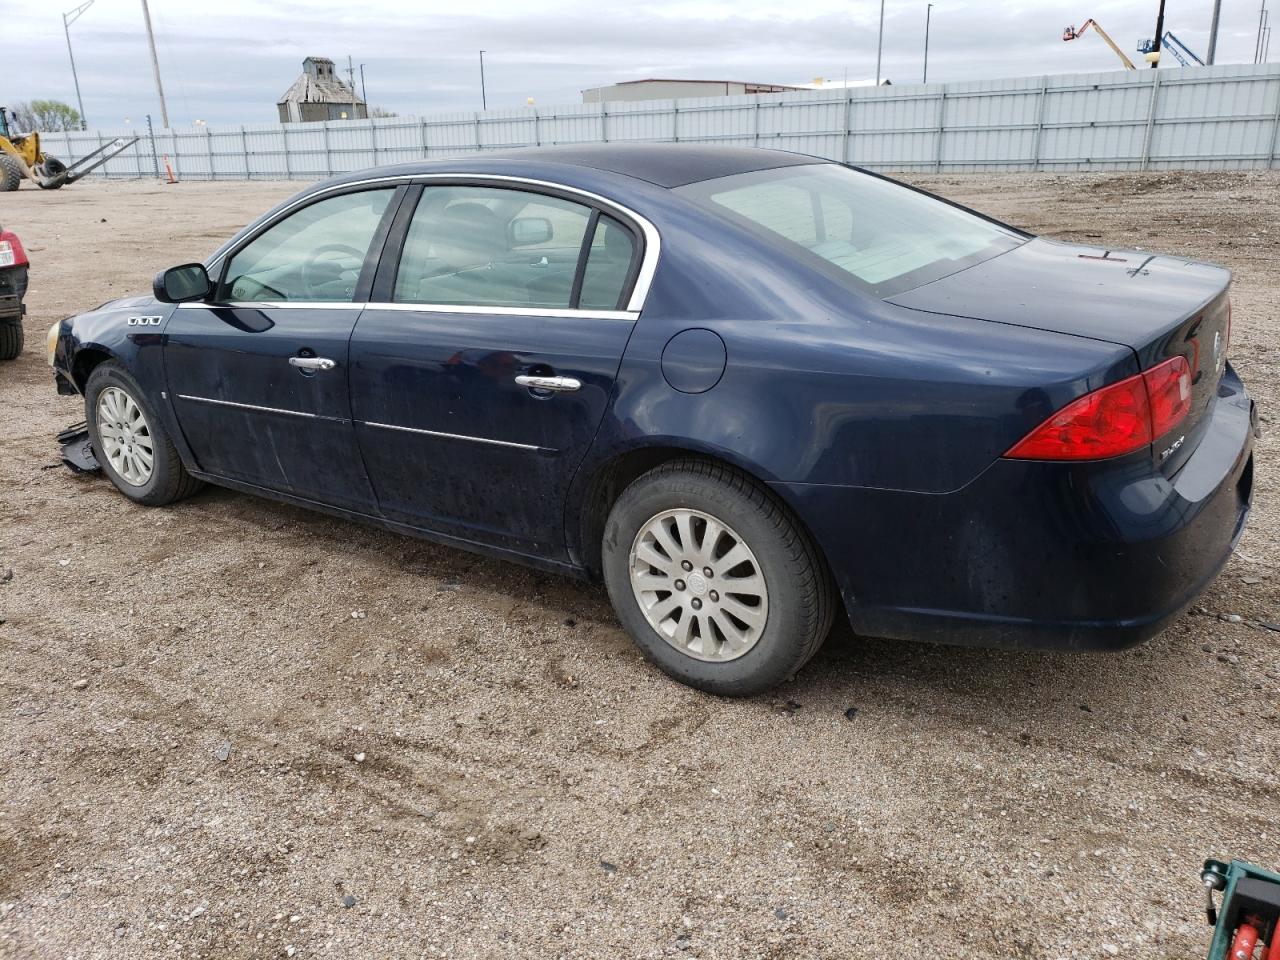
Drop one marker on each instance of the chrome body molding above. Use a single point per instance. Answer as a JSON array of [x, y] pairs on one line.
[[367, 423], [256, 408], [456, 436], [652, 239]]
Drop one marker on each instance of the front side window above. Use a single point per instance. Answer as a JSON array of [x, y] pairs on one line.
[[872, 234], [495, 247], [314, 254]]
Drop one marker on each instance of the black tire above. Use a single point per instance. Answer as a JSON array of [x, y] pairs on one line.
[[49, 171], [801, 597], [10, 339], [169, 480], [10, 173]]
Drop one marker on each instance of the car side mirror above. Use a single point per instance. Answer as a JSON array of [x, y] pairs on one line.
[[526, 231], [190, 281]]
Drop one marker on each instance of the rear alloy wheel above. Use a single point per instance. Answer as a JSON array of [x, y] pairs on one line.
[[130, 442], [699, 585], [714, 578]]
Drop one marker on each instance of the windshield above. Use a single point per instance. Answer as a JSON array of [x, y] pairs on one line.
[[877, 235]]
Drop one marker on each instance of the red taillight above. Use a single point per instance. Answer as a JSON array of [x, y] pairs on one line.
[[1169, 387], [11, 252], [1114, 420]]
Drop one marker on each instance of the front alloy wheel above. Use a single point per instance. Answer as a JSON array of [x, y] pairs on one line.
[[130, 440], [126, 436]]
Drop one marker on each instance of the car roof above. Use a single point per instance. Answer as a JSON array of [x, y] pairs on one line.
[[662, 164]]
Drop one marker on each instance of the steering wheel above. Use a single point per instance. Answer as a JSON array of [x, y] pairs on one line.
[[309, 280]]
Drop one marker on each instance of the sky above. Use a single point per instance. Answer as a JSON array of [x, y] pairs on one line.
[[229, 62]]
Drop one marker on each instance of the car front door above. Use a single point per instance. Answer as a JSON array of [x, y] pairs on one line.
[[258, 375], [484, 365]]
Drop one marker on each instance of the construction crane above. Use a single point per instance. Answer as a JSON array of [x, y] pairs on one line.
[[1071, 33], [1181, 52]]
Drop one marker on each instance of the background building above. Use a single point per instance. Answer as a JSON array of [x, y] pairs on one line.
[[671, 89], [319, 94]]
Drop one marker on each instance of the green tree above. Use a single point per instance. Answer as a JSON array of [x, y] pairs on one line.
[[53, 115], [21, 119]]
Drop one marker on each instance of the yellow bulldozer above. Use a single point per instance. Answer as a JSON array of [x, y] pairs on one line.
[[22, 159]]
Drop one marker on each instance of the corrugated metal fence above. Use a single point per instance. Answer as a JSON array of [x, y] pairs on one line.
[[1222, 117]]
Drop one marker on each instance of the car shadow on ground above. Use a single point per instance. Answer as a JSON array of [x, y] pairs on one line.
[[1020, 686]]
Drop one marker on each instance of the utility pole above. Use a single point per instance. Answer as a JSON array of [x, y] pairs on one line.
[[928, 11], [67, 20], [351, 81], [880, 43], [364, 91], [1262, 24], [1213, 32], [155, 64], [484, 103], [1159, 33]]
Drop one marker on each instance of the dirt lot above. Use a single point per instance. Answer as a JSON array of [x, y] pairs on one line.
[[484, 766]]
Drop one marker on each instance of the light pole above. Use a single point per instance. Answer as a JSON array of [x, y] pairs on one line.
[[67, 20], [155, 66], [1213, 32], [928, 11], [484, 103], [880, 43]]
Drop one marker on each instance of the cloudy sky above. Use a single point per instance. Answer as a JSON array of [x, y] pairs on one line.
[[229, 61]]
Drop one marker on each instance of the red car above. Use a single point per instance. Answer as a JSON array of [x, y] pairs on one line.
[[13, 286]]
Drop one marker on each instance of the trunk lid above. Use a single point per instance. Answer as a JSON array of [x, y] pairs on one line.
[[1159, 306]]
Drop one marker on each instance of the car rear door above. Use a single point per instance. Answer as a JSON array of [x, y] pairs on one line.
[[485, 362], [258, 376]]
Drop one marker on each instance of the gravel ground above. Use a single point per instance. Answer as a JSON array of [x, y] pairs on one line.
[[206, 754]]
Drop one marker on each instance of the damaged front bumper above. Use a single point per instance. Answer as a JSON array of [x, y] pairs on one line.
[[77, 449]]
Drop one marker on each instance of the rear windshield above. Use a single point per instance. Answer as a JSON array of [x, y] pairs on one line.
[[876, 235]]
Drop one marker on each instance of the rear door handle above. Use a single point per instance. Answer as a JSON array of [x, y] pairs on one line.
[[554, 384], [312, 363]]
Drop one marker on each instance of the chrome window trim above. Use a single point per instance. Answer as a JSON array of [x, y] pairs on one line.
[[415, 308], [275, 305], [652, 239], [505, 311], [455, 436]]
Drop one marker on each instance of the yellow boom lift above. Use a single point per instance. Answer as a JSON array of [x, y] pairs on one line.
[[21, 158], [1071, 33]]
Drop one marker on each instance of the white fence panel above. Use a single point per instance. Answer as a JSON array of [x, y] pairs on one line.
[[1222, 117]]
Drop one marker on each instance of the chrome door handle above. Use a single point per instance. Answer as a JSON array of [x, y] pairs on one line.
[[312, 363], [554, 384]]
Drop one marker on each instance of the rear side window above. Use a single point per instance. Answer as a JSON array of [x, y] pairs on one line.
[[872, 234], [608, 267], [314, 254], [484, 246]]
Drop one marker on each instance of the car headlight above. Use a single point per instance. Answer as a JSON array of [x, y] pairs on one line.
[[51, 341]]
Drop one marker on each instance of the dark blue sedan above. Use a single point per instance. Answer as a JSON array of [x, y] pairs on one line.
[[745, 388]]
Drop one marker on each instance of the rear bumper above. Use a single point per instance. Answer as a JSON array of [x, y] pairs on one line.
[[1057, 556], [13, 286]]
